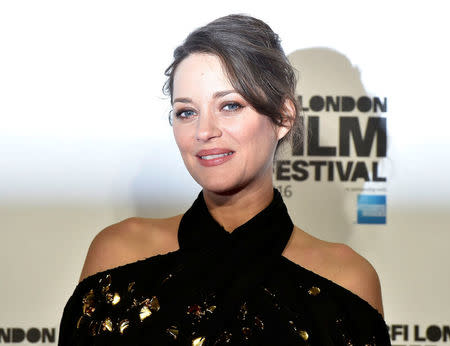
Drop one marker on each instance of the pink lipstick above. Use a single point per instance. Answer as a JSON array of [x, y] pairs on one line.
[[214, 157]]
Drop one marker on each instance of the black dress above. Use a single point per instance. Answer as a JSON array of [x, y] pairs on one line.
[[220, 288]]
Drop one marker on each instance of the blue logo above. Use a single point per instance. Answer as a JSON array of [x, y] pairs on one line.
[[372, 209]]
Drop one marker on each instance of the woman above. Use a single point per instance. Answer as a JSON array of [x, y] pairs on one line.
[[233, 269]]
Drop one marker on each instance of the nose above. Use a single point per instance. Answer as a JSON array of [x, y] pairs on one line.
[[207, 127]]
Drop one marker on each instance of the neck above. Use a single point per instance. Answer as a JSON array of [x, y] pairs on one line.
[[231, 211]]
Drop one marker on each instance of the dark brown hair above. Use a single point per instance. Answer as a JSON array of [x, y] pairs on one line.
[[255, 64]]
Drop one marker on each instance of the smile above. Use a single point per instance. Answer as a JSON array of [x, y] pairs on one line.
[[214, 157], [211, 157]]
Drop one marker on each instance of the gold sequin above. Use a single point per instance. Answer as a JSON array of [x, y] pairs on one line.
[[198, 341], [314, 291], [149, 305], [246, 331], [134, 303], [116, 299], [105, 282], [107, 325], [113, 298], [131, 287], [123, 325], [304, 334], [291, 323], [225, 337], [88, 310], [173, 331], [144, 313], [243, 311], [88, 296], [154, 304], [80, 321], [211, 308], [93, 328], [259, 323], [88, 303], [196, 310]]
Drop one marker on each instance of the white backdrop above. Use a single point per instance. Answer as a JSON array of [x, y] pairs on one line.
[[85, 141]]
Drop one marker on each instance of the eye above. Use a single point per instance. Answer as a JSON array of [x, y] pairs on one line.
[[232, 106], [185, 113]]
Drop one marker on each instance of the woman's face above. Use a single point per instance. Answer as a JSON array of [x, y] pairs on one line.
[[224, 142]]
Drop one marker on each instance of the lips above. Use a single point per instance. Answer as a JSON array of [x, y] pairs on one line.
[[214, 157], [211, 157], [214, 152]]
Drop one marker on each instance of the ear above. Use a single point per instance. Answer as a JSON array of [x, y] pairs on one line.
[[288, 115]]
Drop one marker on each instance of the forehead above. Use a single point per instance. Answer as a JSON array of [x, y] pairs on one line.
[[199, 73]]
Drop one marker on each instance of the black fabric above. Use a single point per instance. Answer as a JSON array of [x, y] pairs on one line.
[[220, 288]]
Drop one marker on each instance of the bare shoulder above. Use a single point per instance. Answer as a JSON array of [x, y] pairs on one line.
[[357, 274], [338, 263], [130, 240]]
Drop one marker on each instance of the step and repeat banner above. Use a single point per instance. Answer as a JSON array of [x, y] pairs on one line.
[[85, 142]]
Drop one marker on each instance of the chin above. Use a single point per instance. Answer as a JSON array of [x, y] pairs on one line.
[[219, 186]]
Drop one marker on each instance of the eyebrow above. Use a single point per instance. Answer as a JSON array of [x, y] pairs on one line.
[[215, 96]]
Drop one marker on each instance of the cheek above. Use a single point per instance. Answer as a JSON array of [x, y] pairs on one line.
[[257, 138], [258, 135], [181, 138]]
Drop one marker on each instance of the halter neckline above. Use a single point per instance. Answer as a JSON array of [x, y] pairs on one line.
[[267, 233]]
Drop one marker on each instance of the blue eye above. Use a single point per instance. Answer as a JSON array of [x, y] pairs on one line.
[[185, 113], [234, 106]]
